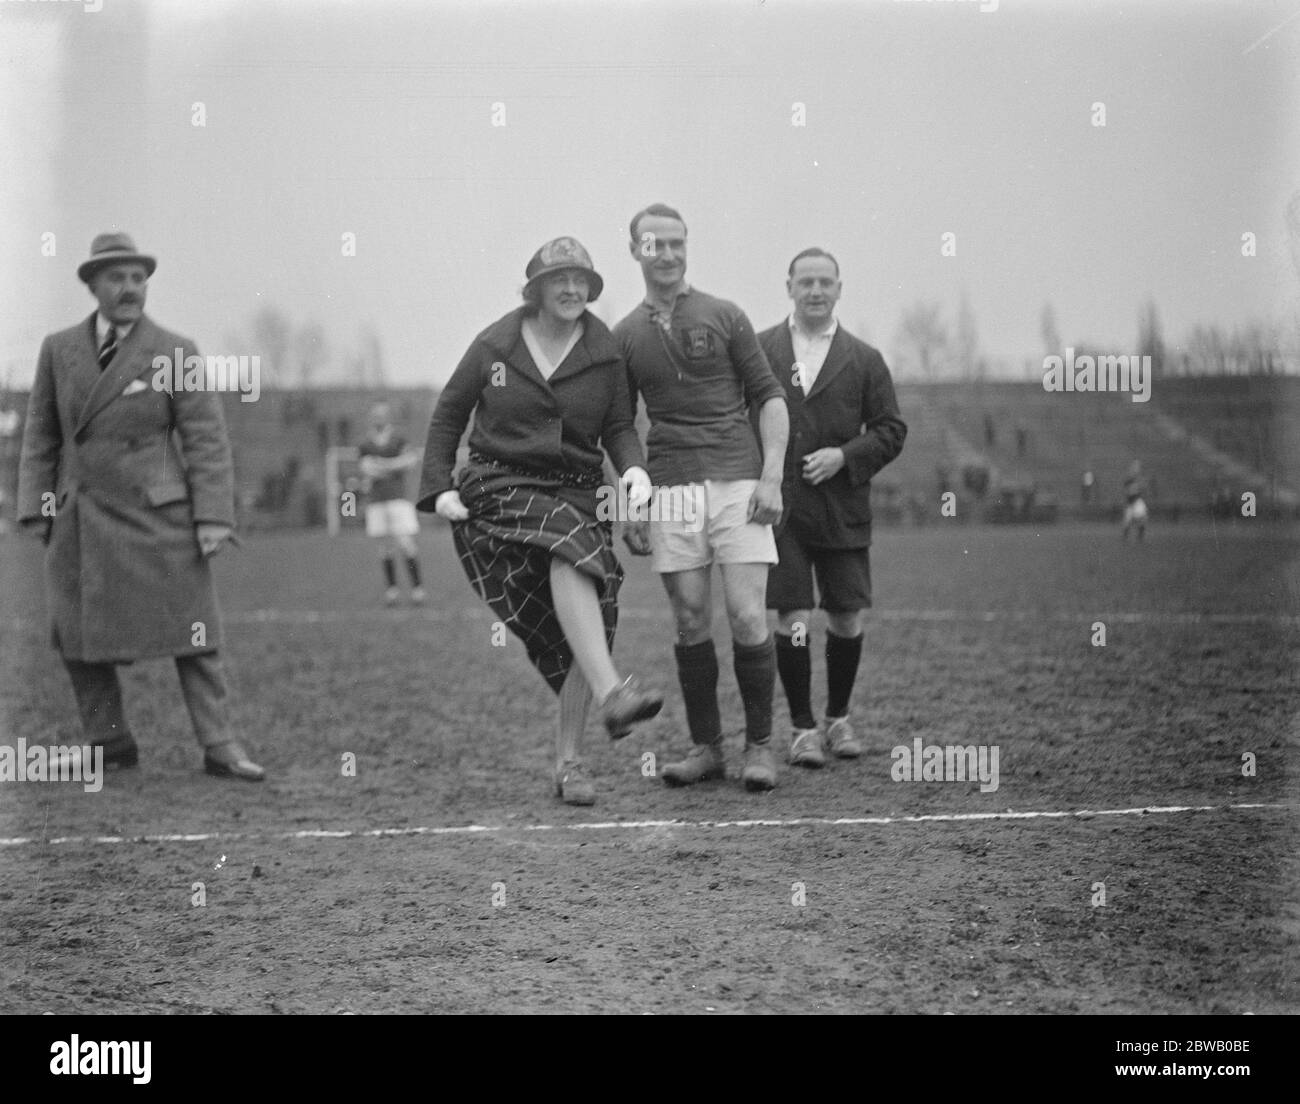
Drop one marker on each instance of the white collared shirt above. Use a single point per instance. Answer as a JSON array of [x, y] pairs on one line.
[[102, 325], [810, 350]]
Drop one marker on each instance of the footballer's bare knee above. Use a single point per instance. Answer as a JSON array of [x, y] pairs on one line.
[[848, 624], [789, 622]]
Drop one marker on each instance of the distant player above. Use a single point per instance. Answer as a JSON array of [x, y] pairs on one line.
[[390, 515], [1135, 506]]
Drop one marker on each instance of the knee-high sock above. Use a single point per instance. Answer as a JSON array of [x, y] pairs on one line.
[[413, 570], [843, 654], [794, 665], [575, 701], [755, 666], [390, 572], [697, 671]]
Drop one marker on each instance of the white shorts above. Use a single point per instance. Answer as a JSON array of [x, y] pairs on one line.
[[696, 524], [1135, 511], [394, 518]]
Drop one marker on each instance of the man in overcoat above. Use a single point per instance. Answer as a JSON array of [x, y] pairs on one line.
[[844, 427], [128, 480]]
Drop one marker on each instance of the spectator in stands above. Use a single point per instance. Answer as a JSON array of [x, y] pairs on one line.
[[547, 387], [1087, 487], [390, 515]]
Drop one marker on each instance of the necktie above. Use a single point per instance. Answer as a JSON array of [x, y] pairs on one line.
[[108, 349]]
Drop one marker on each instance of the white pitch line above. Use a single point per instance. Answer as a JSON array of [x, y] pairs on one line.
[[637, 613], [635, 825], [311, 617]]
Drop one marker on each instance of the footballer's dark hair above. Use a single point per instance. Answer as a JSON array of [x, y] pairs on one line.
[[661, 210], [814, 252]]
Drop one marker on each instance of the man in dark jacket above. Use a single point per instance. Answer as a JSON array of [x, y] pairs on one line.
[[844, 427], [130, 484]]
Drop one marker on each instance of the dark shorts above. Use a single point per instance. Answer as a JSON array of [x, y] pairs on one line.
[[843, 577]]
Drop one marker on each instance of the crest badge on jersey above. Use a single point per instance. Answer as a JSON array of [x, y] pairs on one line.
[[698, 342]]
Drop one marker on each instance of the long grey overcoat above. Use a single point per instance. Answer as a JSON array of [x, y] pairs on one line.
[[126, 470]]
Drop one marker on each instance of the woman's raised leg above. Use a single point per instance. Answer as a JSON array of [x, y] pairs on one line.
[[578, 608]]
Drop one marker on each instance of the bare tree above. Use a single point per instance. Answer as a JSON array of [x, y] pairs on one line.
[[1048, 328], [1150, 341], [924, 337], [1293, 231], [271, 334], [372, 356], [968, 342], [310, 352], [1208, 350]]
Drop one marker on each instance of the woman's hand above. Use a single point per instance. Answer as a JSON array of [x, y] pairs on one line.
[[636, 485], [449, 505]]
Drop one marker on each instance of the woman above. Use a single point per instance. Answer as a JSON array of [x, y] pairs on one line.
[[547, 387]]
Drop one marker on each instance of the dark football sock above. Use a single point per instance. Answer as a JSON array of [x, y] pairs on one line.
[[697, 671], [755, 666], [390, 571], [794, 665], [843, 654], [413, 569]]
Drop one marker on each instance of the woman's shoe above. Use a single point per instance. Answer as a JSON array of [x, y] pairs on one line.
[[628, 703], [573, 787]]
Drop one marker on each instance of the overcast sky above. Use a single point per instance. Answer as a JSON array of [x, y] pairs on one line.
[[922, 117]]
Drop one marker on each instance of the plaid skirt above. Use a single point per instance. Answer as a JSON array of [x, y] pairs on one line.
[[517, 522]]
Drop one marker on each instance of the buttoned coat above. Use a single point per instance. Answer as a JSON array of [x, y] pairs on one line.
[[852, 407], [126, 469], [523, 419]]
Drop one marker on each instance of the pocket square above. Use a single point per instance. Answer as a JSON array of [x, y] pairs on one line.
[[135, 387]]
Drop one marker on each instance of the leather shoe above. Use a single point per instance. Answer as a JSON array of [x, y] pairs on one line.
[[573, 787], [229, 760], [806, 748], [628, 703]]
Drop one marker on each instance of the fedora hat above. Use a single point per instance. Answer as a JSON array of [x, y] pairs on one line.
[[559, 255], [109, 249]]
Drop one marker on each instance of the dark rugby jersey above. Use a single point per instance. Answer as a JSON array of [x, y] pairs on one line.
[[385, 488], [699, 376]]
